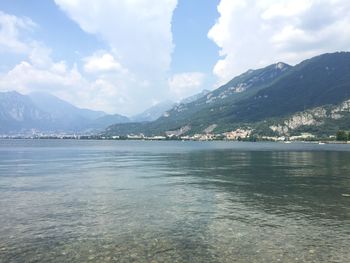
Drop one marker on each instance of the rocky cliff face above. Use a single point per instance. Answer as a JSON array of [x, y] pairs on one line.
[[18, 112], [312, 117]]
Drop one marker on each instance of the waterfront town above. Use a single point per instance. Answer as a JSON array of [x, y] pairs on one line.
[[236, 135]]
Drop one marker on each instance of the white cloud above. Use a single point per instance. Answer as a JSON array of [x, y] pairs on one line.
[[102, 61], [67, 83], [255, 33], [283, 8], [106, 83], [186, 84], [139, 37], [26, 78], [11, 33], [39, 72], [39, 55], [138, 32]]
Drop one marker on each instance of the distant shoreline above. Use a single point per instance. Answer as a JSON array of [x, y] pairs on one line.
[[84, 138]]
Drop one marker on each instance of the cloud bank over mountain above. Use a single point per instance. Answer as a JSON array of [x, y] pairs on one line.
[[126, 77], [256, 33], [140, 42], [122, 56]]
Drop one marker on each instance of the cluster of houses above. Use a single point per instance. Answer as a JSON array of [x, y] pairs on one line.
[[236, 135], [239, 134]]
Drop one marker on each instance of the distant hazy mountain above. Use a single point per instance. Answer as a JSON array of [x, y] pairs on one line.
[[47, 113], [158, 110], [107, 120], [18, 112], [194, 97], [154, 112], [59, 108], [262, 99]]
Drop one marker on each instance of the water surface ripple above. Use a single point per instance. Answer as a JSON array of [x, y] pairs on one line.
[[135, 201]]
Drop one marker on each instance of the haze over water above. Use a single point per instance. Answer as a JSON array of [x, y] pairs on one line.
[[135, 201]]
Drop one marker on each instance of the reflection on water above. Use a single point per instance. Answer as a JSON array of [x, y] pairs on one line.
[[173, 202]]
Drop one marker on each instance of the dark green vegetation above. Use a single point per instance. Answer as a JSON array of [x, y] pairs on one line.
[[315, 90], [343, 135]]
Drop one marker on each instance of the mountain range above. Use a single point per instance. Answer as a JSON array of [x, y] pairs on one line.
[[46, 113], [43, 112], [314, 93], [158, 110], [277, 100], [154, 112]]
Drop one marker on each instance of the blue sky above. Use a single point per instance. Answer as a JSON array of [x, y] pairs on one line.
[[124, 56], [54, 28], [193, 49]]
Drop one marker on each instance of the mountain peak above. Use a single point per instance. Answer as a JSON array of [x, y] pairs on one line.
[[11, 93], [45, 112], [282, 65], [154, 112], [195, 97]]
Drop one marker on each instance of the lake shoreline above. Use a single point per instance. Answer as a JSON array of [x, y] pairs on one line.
[[83, 138]]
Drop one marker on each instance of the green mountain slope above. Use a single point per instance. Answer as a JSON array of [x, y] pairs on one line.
[[256, 97], [208, 108], [318, 81]]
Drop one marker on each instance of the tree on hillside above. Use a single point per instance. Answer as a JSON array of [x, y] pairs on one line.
[[342, 136]]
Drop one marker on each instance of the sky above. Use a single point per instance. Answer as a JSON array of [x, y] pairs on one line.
[[123, 56]]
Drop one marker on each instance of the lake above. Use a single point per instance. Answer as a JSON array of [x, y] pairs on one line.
[[173, 201]]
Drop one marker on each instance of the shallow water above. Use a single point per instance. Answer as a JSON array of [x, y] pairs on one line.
[[135, 201]]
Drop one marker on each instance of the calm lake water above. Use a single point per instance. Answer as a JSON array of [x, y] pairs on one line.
[[134, 201]]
